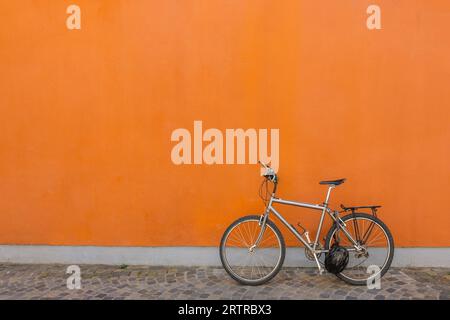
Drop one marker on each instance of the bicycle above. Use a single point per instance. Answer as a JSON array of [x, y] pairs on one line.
[[252, 248]]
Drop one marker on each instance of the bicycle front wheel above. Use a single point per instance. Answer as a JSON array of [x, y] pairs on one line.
[[245, 262]]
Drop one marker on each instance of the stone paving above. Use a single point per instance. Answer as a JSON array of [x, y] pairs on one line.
[[142, 282]]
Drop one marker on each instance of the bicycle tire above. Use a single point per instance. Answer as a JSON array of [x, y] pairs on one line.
[[385, 229], [229, 270]]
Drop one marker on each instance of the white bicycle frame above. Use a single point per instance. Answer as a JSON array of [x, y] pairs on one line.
[[306, 242]]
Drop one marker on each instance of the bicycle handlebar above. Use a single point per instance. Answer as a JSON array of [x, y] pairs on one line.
[[269, 174], [266, 166]]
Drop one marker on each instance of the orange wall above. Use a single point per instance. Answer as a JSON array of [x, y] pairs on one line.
[[87, 115]]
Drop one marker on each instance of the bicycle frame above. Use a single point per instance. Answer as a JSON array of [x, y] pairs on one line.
[[324, 208]]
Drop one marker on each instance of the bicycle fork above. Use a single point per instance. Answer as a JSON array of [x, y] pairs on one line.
[[262, 224]]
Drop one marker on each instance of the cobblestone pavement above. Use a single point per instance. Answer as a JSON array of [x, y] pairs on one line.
[[142, 282]]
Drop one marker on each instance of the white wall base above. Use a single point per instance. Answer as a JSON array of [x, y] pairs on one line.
[[185, 256]]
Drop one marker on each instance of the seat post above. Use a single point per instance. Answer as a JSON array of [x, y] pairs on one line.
[[331, 187]]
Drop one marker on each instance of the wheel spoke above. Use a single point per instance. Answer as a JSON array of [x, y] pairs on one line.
[[376, 247], [242, 237], [262, 261]]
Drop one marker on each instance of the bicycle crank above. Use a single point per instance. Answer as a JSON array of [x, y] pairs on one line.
[[308, 253]]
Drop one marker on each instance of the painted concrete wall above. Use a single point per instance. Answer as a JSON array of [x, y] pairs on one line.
[[87, 115], [186, 256]]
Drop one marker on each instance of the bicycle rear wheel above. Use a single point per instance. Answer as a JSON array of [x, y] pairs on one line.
[[252, 266], [376, 240]]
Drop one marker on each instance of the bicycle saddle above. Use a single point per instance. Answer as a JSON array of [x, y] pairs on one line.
[[333, 182]]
